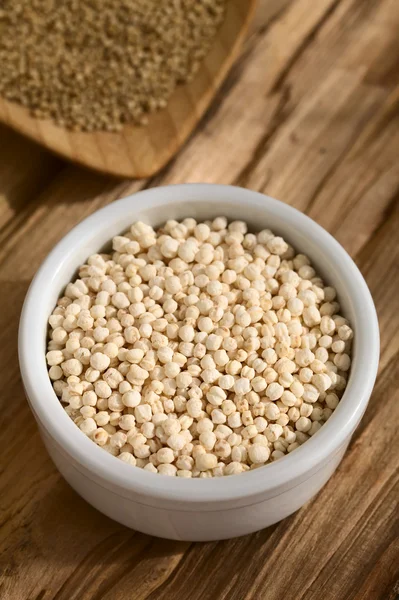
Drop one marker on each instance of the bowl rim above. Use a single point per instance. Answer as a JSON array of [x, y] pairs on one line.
[[314, 452]]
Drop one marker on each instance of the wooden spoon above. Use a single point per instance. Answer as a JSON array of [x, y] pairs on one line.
[[142, 151]]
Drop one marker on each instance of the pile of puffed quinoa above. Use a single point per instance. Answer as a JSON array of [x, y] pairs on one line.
[[198, 349]]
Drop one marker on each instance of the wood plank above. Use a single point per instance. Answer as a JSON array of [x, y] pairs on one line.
[[379, 263], [240, 120], [361, 188], [24, 169], [74, 194], [317, 135]]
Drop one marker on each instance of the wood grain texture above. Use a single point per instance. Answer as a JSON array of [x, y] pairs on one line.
[[142, 151], [309, 113]]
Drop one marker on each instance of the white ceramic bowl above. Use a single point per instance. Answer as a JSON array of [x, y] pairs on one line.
[[200, 509]]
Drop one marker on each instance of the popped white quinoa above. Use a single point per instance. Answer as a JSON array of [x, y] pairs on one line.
[[198, 349]]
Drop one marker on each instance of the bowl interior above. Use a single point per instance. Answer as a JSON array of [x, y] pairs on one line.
[[202, 202], [257, 217]]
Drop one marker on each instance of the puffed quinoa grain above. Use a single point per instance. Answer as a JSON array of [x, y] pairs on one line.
[[198, 350]]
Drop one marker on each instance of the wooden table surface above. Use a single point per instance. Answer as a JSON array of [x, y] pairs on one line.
[[309, 114]]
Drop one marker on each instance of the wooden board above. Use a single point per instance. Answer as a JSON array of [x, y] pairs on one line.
[[142, 151], [309, 114]]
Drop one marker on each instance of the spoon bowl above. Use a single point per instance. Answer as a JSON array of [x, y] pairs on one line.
[[141, 151]]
